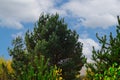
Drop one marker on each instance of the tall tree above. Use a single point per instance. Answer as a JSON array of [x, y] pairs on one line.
[[52, 39], [107, 55]]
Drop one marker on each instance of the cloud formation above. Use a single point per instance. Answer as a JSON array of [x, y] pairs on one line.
[[92, 13], [96, 13], [88, 43], [15, 12]]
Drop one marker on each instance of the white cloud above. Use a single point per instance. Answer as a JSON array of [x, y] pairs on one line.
[[94, 13], [97, 13], [88, 43], [14, 12], [11, 24]]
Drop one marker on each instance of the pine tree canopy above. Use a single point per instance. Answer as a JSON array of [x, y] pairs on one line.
[[52, 39]]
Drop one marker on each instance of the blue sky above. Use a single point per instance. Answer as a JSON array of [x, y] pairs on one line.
[[87, 17]]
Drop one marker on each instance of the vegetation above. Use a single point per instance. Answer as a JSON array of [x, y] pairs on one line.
[[44, 73], [52, 52], [55, 41], [112, 73], [6, 70], [107, 55], [52, 39]]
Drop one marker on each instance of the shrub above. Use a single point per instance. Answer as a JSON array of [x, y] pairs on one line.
[[5, 69], [112, 73]]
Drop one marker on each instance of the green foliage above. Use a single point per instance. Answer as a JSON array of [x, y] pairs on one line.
[[55, 41], [20, 58], [107, 55], [113, 73], [40, 71]]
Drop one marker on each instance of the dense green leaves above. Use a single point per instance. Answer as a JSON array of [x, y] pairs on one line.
[[112, 73]]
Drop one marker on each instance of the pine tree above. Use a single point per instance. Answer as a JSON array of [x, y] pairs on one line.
[[107, 55], [52, 39]]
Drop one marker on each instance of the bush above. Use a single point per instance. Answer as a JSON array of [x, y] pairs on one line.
[[113, 73], [5, 69]]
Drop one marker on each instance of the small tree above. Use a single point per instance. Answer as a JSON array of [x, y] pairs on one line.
[[107, 55]]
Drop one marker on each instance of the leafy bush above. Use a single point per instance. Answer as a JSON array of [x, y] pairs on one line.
[[5, 69], [112, 73]]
